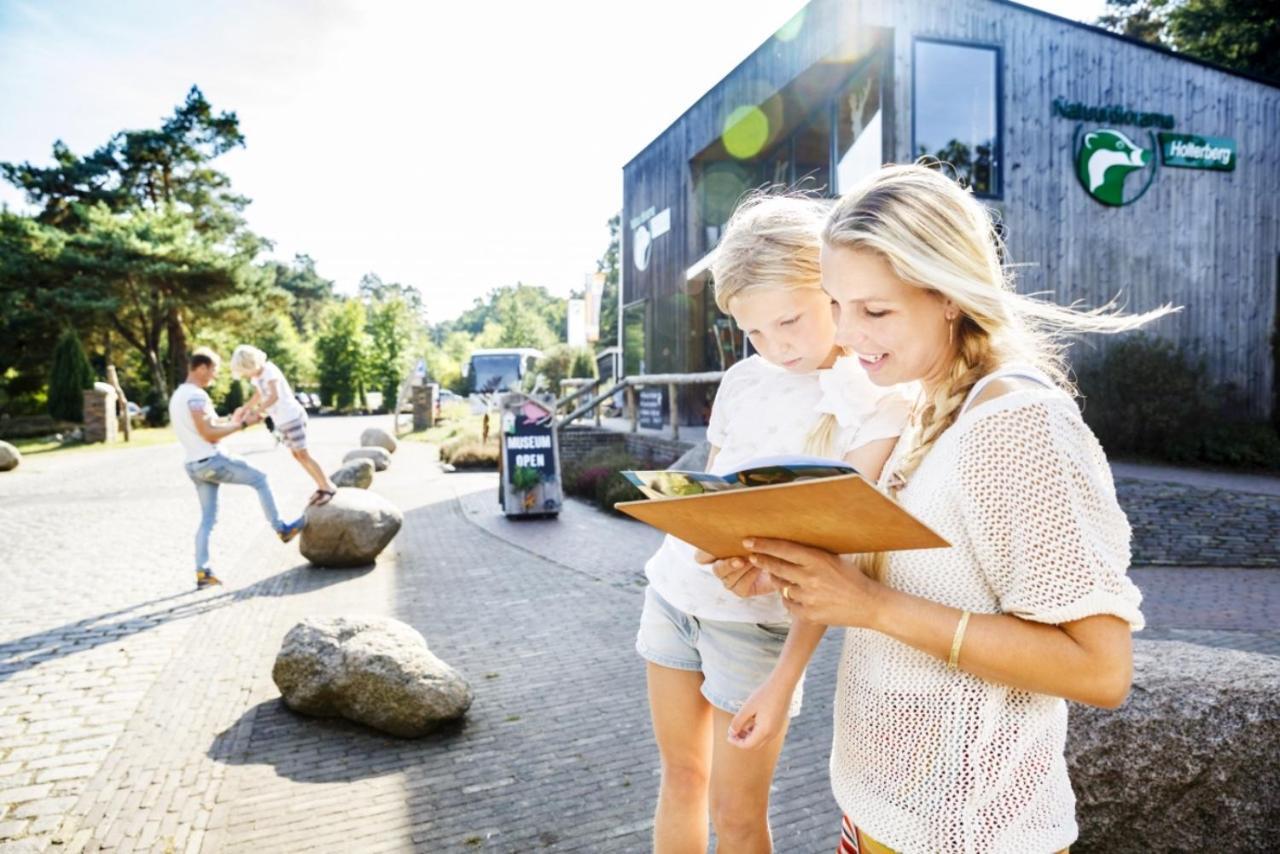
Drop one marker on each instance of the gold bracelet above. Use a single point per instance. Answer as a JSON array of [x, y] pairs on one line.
[[953, 661]]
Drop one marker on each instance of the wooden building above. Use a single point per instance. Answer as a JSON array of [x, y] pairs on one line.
[[1021, 102]]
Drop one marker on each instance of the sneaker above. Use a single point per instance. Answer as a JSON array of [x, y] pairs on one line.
[[291, 530], [206, 578]]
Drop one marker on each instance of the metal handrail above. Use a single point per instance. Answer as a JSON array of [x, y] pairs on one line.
[[630, 384]]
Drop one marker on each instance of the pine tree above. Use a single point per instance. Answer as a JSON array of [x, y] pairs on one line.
[[68, 378]]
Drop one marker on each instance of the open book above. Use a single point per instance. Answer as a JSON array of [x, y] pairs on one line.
[[762, 472], [810, 500]]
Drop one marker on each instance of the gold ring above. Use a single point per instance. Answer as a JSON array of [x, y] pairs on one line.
[[786, 593]]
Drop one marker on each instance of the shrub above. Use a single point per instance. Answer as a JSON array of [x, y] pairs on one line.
[[69, 376], [157, 409], [615, 488], [1148, 399], [473, 455], [233, 399]]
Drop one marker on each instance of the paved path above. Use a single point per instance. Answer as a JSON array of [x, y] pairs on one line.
[[137, 714]]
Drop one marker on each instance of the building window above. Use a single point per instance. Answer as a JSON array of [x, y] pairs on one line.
[[956, 110], [634, 321], [859, 150]]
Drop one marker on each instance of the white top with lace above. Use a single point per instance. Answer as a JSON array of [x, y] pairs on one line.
[[762, 410], [928, 759]]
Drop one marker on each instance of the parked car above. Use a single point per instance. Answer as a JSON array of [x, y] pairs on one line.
[[310, 402]]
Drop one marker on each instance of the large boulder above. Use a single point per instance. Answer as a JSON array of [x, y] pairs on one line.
[[373, 670], [694, 459], [350, 530], [1190, 763], [381, 459], [357, 473], [9, 456], [376, 437]]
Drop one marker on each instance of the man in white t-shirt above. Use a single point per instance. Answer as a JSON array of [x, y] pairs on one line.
[[199, 430]]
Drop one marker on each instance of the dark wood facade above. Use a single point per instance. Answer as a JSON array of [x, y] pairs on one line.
[[1209, 241]]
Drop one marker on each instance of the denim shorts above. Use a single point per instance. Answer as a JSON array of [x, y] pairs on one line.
[[734, 658]]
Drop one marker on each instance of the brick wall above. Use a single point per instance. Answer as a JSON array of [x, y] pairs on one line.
[[100, 421], [577, 442]]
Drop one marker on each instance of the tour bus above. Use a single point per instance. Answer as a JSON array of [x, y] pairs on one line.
[[490, 371]]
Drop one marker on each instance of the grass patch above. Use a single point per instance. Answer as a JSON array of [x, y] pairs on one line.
[[143, 437]]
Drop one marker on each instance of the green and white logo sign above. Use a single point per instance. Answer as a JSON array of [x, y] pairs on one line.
[[1198, 152], [1106, 160]]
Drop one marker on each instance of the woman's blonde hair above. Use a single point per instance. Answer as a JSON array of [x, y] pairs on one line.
[[772, 242], [935, 235], [247, 360]]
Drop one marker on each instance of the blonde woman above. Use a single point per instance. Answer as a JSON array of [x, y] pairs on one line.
[[273, 396], [707, 650], [950, 718]]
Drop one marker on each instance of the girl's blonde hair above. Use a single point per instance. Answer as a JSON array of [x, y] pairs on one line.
[[247, 360], [935, 235], [772, 242]]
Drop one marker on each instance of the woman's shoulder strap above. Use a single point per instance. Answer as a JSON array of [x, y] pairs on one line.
[[1006, 372]]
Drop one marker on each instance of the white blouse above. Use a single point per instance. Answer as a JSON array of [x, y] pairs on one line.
[[931, 760]]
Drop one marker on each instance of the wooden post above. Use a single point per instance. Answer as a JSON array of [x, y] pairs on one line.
[[114, 380], [631, 408], [672, 395]]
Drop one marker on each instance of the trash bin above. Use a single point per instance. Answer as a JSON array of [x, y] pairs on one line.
[[529, 463]]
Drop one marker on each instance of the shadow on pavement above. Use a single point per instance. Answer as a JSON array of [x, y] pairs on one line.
[[26, 652]]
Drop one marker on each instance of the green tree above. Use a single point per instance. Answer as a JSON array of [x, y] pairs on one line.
[[149, 271], [69, 377], [149, 168], [308, 291], [373, 288], [390, 328], [233, 399], [1238, 34], [608, 264], [150, 179], [530, 317], [342, 354]]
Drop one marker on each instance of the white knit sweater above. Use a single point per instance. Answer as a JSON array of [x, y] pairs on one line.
[[931, 760]]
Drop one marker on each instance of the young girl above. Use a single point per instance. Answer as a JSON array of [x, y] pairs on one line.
[[950, 721], [272, 395], [708, 650]]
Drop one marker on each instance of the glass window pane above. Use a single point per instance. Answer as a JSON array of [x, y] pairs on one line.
[[859, 146], [954, 98], [633, 322]]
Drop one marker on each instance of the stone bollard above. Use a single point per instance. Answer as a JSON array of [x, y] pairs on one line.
[[373, 670], [1191, 762], [424, 407], [100, 422], [351, 530], [10, 457]]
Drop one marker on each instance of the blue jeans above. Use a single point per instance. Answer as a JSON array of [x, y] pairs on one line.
[[207, 475]]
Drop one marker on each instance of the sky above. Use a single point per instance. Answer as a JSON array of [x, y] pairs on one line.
[[455, 147]]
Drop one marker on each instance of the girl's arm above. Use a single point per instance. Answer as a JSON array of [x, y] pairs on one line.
[[763, 716], [255, 399], [269, 399], [1088, 660]]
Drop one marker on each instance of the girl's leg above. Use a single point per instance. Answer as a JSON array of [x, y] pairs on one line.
[[682, 728], [312, 468], [740, 789]]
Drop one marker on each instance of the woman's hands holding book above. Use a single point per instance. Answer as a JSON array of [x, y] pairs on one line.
[[819, 586]]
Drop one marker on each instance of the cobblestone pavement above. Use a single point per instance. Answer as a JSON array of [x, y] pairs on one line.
[[136, 714]]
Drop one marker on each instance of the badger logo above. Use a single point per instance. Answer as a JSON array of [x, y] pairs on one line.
[[1104, 158]]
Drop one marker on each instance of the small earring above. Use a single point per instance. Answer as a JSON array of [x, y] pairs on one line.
[[951, 334]]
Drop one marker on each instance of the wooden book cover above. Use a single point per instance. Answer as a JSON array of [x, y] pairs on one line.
[[843, 514]]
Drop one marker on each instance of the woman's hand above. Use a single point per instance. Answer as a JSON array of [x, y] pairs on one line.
[[738, 575], [762, 718], [815, 584]]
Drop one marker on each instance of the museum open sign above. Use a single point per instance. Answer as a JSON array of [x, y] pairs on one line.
[[1188, 151]]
